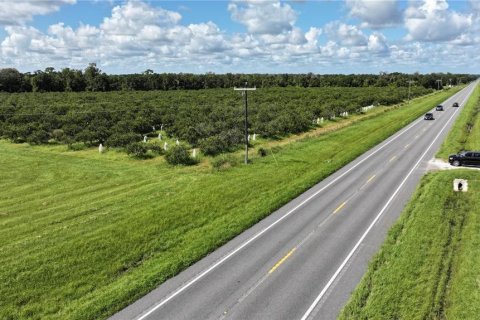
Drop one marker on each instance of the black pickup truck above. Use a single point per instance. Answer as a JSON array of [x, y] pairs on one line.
[[469, 158]]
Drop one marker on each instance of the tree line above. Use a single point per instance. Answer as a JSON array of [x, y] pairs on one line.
[[94, 80]]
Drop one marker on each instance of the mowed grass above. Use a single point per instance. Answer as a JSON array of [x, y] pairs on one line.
[[429, 266], [82, 235], [465, 134]]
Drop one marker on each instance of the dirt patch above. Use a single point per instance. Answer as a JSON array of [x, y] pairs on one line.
[[439, 164]]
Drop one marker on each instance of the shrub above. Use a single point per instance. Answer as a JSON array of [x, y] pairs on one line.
[[77, 146], [156, 148], [123, 139], [58, 135], [179, 155], [138, 150], [224, 161], [39, 136], [212, 145], [262, 152]]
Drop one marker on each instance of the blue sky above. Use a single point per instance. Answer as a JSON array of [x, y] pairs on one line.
[[334, 36]]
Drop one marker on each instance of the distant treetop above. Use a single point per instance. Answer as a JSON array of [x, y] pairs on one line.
[[93, 79]]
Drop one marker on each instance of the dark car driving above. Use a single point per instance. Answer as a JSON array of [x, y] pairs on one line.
[[455, 105], [429, 116], [439, 108], [469, 158]]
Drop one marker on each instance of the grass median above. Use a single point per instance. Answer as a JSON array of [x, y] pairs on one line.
[[429, 265], [465, 133], [83, 235]]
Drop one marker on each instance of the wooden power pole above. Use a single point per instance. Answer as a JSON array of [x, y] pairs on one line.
[[245, 98]]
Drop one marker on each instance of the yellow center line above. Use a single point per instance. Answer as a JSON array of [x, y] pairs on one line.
[[371, 178], [392, 158], [340, 207], [281, 261]]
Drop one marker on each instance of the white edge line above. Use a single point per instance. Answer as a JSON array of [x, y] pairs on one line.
[[246, 243], [335, 275]]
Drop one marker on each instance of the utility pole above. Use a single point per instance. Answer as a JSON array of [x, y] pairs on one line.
[[409, 84], [245, 98], [439, 83]]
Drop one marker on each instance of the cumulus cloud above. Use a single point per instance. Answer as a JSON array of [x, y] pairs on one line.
[[347, 35], [130, 18], [377, 43], [431, 20], [294, 36], [22, 11], [134, 30], [475, 4], [263, 16], [375, 14], [138, 35]]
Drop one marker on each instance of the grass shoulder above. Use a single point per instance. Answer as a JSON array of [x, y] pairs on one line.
[[428, 267], [465, 133]]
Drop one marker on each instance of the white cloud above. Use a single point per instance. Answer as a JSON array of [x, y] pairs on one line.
[[347, 35], [206, 37], [377, 43], [375, 13], [22, 11], [294, 36], [129, 19], [475, 4], [134, 31], [312, 35], [138, 36], [263, 16], [431, 20]]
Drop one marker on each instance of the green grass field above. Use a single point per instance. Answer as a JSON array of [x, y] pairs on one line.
[[84, 234], [429, 265]]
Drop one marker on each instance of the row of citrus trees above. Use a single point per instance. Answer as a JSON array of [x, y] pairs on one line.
[[211, 120]]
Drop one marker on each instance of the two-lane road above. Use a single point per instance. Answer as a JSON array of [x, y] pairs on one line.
[[303, 261]]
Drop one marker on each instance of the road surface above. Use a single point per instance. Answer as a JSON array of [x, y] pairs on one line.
[[304, 260]]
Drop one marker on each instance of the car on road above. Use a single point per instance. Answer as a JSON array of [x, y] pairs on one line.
[[429, 116], [455, 105], [469, 158], [439, 108]]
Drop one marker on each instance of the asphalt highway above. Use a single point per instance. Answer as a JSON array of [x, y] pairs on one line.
[[304, 260]]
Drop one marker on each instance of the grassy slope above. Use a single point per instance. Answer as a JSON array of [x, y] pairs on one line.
[[429, 266], [466, 130], [82, 235]]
